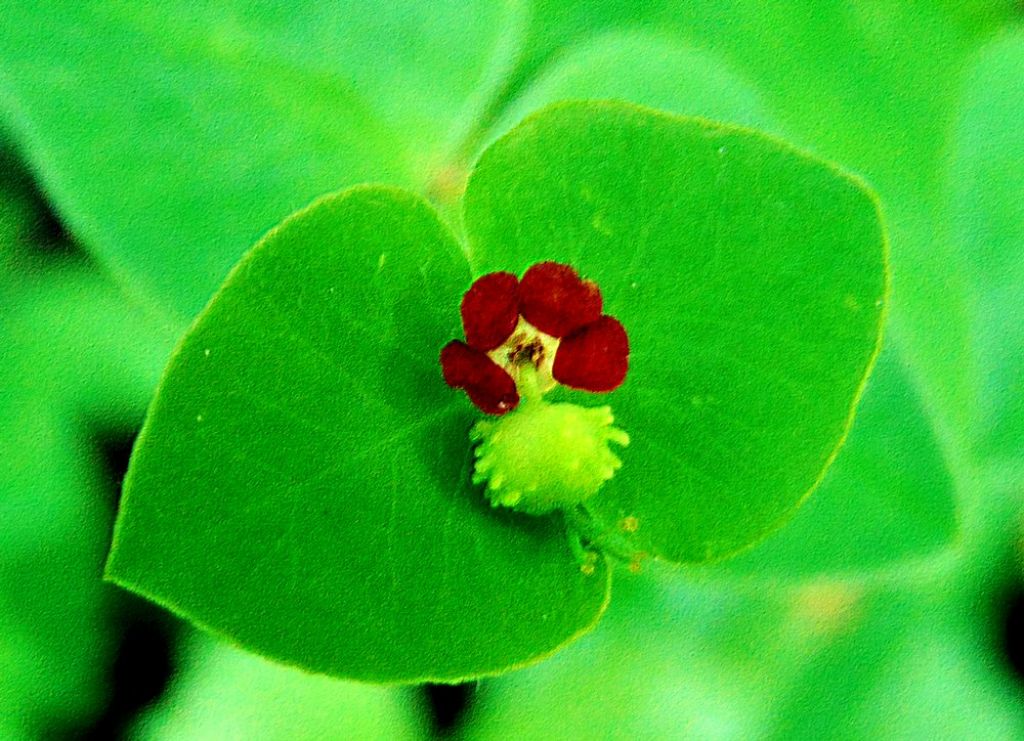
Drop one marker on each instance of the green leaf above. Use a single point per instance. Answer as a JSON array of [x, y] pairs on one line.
[[302, 481], [653, 69], [556, 24], [985, 186], [877, 507], [887, 501], [224, 693], [54, 610], [668, 661], [78, 360], [690, 660], [197, 126], [750, 278]]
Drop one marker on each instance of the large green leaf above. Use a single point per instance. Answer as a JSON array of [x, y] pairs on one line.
[[751, 279], [889, 497], [986, 184], [301, 483], [171, 135]]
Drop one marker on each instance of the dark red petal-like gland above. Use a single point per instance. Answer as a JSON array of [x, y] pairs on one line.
[[490, 310], [486, 382], [554, 299], [594, 357]]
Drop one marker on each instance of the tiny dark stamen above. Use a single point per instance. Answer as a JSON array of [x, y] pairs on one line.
[[530, 352]]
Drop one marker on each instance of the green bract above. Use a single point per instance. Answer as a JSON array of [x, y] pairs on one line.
[[303, 482]]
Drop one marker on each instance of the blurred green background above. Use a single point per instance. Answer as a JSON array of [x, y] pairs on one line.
[[145, 146]]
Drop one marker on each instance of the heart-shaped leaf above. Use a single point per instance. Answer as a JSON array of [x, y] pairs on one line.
[[751, 280], [889, 498], [302, 481]]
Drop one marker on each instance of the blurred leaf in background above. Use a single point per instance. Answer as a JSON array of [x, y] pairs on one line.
[[699, 660], [32, 240], [173, 135], [78, 364], [986, 202], [226, 693]]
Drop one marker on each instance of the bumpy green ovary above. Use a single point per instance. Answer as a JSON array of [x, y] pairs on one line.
[[543, 457]]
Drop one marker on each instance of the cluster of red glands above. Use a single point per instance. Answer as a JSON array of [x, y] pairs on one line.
[[551, 322]]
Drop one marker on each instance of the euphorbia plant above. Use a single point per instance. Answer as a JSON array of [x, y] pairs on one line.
[[305, 480]]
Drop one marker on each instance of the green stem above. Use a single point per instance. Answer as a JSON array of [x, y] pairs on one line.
[[599, 535], [526, 381]]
